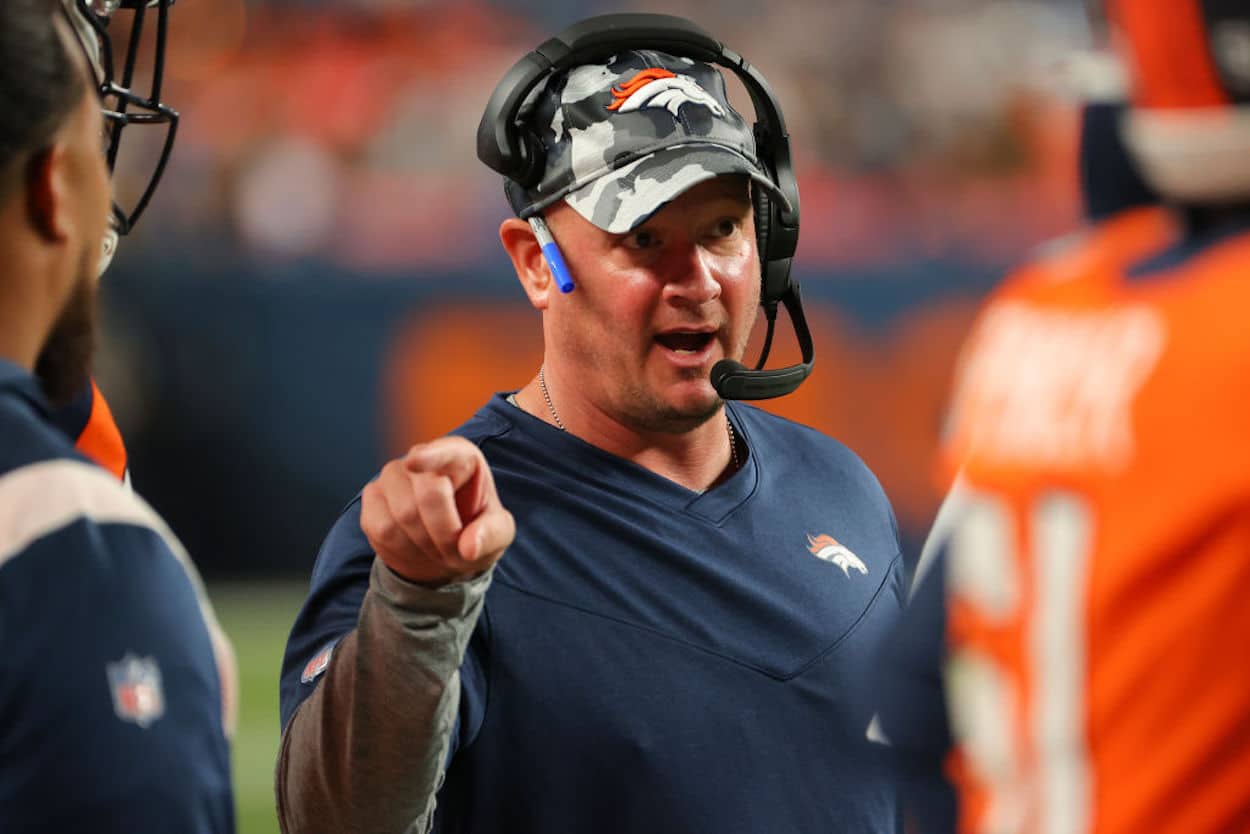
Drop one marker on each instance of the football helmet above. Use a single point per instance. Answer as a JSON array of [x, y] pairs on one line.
[[1189, 122]]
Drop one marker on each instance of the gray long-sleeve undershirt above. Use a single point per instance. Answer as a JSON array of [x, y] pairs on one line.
[[365, 751]]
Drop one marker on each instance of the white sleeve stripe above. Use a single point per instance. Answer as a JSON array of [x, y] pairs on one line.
[[940, 532], [38, 500], [42, 498]]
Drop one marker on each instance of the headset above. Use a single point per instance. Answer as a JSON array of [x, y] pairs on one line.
[[508, 145]]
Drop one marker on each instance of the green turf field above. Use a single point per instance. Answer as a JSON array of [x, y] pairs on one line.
[[257, 616]]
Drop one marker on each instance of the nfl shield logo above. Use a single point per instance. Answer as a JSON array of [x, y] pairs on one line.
[[314, 667], [136, 686]]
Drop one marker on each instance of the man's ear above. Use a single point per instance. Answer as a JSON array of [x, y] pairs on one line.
[[47, 194], [528, 261]]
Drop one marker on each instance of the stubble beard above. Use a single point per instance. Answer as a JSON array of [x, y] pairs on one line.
[[643, 411], [63, 367], [659, 417]]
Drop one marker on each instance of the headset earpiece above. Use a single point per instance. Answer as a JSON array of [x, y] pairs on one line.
[[532, 154], [759, 198], [515, 193], [770, 292]]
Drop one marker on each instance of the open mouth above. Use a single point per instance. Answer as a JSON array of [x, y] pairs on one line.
[[685, 343]]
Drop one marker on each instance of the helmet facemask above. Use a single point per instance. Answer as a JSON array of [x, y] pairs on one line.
[[124, 53]]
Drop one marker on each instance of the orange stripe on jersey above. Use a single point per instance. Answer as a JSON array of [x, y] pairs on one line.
[[100, 439], [1171, 61]]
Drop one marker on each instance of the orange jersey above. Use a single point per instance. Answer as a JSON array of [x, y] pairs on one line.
[[1098, 572]]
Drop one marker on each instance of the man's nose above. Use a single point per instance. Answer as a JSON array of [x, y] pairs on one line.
[[693, 277]]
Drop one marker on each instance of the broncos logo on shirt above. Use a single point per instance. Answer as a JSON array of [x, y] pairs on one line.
[[827, 548], [658, 87]]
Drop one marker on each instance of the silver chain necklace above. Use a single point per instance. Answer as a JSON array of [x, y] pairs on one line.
[[542, 386]]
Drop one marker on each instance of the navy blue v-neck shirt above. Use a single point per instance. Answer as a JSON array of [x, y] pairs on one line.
[[651, 659]]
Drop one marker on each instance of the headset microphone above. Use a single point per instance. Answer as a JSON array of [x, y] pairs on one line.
[[733, 381]]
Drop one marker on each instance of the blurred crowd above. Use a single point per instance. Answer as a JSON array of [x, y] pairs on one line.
[[343, 132]]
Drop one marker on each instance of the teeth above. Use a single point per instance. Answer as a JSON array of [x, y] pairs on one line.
[[681, 352]]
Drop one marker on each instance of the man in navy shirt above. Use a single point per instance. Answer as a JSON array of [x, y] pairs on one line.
[[111, 690], [680, 634]]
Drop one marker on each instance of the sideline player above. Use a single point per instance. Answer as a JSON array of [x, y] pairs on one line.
[[912, 706], [680, 635], [110, 685], [1093, 552]]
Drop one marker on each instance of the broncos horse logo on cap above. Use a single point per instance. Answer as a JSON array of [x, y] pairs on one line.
[[656, 87], [827, 548]]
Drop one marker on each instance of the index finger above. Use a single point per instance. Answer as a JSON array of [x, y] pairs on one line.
[[452, 457]]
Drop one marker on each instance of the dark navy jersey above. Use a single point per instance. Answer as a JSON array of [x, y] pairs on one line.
[[110, 694], [654, 659]]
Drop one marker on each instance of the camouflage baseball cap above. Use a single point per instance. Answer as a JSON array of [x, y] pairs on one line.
[[626, 137]]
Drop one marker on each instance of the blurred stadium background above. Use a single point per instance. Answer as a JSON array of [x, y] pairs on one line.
[[318, 282]]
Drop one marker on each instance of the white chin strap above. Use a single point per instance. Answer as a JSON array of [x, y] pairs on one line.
[[108, 249]]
